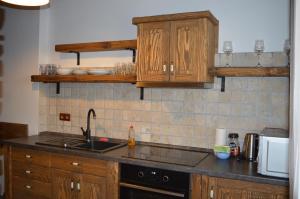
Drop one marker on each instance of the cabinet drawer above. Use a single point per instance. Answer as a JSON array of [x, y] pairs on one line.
[[31, 157], [31, 171], [79, 164], [24, 188]]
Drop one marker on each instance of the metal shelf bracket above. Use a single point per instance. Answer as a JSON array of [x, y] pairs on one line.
[[142, 93], [222, 83]]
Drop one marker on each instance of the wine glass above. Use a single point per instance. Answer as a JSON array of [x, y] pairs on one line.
[[227, 49], [259, 49]]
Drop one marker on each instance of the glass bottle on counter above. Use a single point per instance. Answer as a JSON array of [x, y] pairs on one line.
[[131, 137], [234, 144]]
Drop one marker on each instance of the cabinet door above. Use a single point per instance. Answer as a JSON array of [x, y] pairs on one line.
[[220, 188], [186, 50], [153, 51], [92, 187], [64, 184]]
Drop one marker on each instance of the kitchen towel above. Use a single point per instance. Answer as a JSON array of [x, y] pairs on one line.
[[221, 137]]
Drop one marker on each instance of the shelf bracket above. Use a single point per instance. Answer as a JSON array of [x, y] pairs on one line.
[[77, 56], [222, 83], [57, 88], [133, 54], [142, 93]]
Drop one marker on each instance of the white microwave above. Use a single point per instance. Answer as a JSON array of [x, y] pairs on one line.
[[273, 153]]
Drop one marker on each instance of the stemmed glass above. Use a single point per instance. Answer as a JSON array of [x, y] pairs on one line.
[[227, 49], [259, 49]]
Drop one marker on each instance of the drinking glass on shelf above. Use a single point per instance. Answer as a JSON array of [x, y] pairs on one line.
[[259, 49], [227, 49], [43, 69]]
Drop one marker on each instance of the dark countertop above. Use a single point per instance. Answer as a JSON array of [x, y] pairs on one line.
[[211, 166]]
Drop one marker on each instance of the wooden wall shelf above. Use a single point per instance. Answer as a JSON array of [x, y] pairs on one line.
[[250, 71], [84, 78], [97, 46]]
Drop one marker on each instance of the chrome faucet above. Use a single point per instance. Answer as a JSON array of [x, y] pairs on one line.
[[87, 132]]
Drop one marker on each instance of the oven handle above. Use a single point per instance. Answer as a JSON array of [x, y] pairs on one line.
[[123, 184]]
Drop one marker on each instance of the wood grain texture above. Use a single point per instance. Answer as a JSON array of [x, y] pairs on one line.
[[236, 189], [61, 184], [196, 181], [84, 78], [97, 46], [113, 180], [8, 171], [170, 85], [186, 53], [93, 187], [28, 156], [24, 188], [13, 130], [251, 71], [85, 165], [174, 17], [153, 51], [31, 172]]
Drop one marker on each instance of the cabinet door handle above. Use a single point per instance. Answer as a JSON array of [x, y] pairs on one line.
[[72, 185], [78, 186], [165, 68], [211, 194], [27, 156], [28, 172], [75, 164], [172, 68], [28, 187]]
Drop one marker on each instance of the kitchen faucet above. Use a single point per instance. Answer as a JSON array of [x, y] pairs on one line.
[[87, 132]]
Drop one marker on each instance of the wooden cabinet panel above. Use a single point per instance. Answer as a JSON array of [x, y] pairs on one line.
[[28, 156], [64, 184], [185, 44], [221, 188], [30, 171], [186, 51], [93, 187], [24, 188], [79, 164], [153, 51]]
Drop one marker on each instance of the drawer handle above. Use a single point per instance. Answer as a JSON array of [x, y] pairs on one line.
[[75, 164], [72, 185], [28, 187], [172, 68], [28, 172], [164, 68], [28, 156], [78, 186]]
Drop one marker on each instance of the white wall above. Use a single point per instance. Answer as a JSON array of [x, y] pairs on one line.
[[20, 61], [242, 21]]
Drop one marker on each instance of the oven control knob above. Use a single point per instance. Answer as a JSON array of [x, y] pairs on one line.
[[141, 174], [166, 178]]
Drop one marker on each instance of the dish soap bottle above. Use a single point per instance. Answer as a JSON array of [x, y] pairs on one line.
[[131, 137]]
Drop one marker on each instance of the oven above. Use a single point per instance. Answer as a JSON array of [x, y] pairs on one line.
[[139, 182]]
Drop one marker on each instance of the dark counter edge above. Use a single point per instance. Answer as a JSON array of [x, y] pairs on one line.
[[109, 156]]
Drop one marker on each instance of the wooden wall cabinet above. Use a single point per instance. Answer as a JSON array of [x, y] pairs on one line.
[[176, 48], [36, 174], [204, 187]]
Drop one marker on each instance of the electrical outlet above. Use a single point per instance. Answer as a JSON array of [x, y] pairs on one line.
[[65, 117]]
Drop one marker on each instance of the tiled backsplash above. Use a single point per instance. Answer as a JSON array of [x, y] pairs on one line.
[[175, 116]]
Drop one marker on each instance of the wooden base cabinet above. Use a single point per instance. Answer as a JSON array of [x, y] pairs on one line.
[[176, 48], [32, 174], [204, 187]]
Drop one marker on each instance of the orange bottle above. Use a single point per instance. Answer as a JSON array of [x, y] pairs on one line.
[[131, 137]]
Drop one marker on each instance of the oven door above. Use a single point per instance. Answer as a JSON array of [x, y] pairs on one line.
[[131, 191]]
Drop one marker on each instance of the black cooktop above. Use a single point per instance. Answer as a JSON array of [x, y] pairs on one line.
[[166, 155]]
